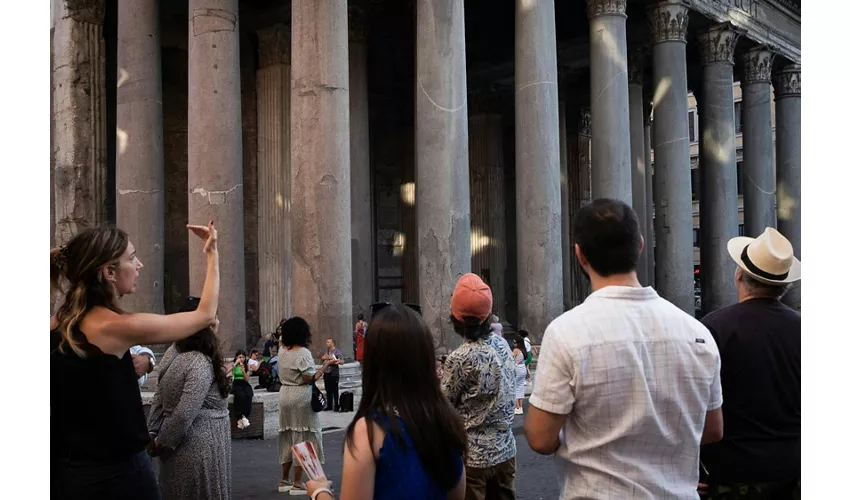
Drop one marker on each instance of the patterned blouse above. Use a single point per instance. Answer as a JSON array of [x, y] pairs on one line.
[[479, 380]]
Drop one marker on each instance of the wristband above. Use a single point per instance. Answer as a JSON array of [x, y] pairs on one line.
[[319, 491]]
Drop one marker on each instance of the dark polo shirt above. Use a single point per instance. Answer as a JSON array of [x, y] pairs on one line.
[[759, 342]]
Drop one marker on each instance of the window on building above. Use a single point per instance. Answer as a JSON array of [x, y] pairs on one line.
[[696, 236], [695, 184], [740, 229], [692, 125], [738, 127], [740, 178]]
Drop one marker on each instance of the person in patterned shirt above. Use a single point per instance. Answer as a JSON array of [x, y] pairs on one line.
[[479, 380]]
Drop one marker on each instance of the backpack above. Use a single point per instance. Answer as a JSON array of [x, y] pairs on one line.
[[264, 372], [346, 401]]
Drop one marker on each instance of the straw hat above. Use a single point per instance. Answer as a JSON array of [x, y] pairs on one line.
[[768, 258]]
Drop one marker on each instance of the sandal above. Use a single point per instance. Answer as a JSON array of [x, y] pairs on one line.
[[284, 485], [298, 489]]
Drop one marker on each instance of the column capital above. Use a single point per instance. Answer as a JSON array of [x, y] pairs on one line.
[[357, 25], [668, 21], [637, 57], [597, 8], [717, 44], [786, 82], [758, 63], [274, 45], [584, 123], [87, 11]]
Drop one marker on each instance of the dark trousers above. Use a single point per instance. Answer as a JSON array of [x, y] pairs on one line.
[[132, 478], [332, 388], [491, 483], [242, 396]]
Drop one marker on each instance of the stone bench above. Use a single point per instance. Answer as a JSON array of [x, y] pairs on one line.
[[265, 406]]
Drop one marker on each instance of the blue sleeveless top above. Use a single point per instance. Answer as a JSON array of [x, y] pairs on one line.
[[400, 473]]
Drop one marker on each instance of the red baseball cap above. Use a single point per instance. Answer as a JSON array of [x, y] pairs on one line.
[[471, 297]]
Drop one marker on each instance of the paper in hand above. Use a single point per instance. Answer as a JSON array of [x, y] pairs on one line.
[[307, 459]]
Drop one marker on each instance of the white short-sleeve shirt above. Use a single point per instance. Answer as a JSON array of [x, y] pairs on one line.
[[636, 376]]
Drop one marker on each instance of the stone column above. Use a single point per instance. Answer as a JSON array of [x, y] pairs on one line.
[[566, 212], [215, 157], [79, 111], [140, 169], [442, 161], [787, 87], [321, 167], [538, 169], [758, 176], [609, 100], [638, 158], [672, 176], [274, 199], [718, 202], [487, 203], [649, 232], [362, 249]]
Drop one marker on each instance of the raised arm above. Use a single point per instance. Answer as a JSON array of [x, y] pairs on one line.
[[144, 328]]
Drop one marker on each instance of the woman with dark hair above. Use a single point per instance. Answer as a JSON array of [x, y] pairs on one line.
[[406, 440], [298, 421], [98, 434], [242, 391], [188, 419], [520, 370]]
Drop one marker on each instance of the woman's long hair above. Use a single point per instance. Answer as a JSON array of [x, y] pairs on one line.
[[206, 342], [400, 382], [75, 271], [520, 344]]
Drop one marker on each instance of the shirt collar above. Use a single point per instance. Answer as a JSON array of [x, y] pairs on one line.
[[626, 292]]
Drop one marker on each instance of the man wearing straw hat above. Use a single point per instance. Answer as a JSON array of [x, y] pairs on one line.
[[759, 342]]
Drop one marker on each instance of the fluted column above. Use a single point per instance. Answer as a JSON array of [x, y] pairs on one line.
[[79, 102], [609, 100], [362, 247], [139, 172], [215, 156], [649, 231], [273, 174], [539, 257], [672, 190], [718, 175], [638, 158], [787, 88], [758, 176], [442, 160], [566, 212], [487, 203], [321, 166]]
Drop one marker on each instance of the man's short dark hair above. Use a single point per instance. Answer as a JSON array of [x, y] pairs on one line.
[[608, 234]]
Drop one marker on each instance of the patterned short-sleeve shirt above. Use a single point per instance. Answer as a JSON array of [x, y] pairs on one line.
[[479, 380]]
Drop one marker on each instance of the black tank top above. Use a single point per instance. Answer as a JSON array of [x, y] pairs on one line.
[[95, 405]]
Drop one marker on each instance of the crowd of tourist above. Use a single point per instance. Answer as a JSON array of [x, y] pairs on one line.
[[634, 397]]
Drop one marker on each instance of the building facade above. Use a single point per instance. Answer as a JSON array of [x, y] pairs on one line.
[[370, 150]]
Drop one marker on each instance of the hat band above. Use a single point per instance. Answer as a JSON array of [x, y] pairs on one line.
[[758, 271]]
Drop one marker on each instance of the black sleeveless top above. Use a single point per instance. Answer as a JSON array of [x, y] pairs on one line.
[[95, 405]]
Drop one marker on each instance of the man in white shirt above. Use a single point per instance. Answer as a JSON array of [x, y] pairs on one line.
[[144, 362], [627, 385]]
